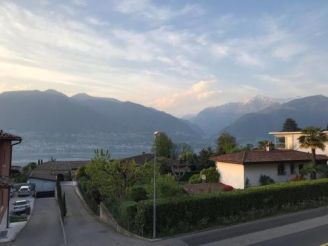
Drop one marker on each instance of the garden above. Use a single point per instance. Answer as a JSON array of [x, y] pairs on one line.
[[186, 200]]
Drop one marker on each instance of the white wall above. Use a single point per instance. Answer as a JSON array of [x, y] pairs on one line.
[[43, 185], [253, 173], [291, 142], [231, 174]]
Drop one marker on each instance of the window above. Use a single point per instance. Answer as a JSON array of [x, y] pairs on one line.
[[281, 169], [292, 169], [280, 142], [300, 167]]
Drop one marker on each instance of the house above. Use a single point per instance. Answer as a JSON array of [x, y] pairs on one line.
[[44, 176], [7, 141], [289, 140], [139, 159], [246, 167]]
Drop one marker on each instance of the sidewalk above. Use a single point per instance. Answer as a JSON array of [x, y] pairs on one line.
[[14, 229]]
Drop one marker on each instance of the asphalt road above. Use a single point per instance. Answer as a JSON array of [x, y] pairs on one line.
[[250, 227], [44, 226], [313, 237], [84, 229]]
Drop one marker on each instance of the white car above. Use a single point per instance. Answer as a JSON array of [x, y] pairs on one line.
[[21, 207], [24, 191]]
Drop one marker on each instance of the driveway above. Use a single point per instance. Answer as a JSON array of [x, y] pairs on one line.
[[43, 227], [84, 229]]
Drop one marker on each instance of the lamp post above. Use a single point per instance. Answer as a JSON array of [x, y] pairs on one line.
[[156, 134]]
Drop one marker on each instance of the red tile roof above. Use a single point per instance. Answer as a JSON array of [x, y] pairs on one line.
[[7, 136], [258, 156], [139, 159]]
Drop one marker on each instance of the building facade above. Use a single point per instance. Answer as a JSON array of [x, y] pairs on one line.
[[289, 140], [245, 168], [7, 141]]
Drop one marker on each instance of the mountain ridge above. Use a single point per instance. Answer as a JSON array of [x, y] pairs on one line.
[[306, 111], [213, 119], [52, 111]]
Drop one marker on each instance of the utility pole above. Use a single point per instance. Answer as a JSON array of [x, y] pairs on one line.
[[154, 185]]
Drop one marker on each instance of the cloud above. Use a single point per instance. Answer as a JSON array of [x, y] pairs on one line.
[[148, 10], [81, 3], [74, 54], [201, 94], [287, 51], [150, 51], [249, 60]]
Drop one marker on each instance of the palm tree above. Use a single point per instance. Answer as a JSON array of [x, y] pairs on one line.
[[313, 138]]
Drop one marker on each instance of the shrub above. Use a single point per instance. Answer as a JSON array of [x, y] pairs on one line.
[[195, 179], [137, 193], [17, 218], [85, 188], [185, 214], [126, 214], [166, 186], [265, 180], [211, 174], [81, 172]]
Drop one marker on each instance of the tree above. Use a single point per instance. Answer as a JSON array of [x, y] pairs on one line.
[[290, 125], [204, 160], [313, 138], [102, 155], [226, 143], [210, 174], [163, 145], [262, 144], [112, 178], [246, 147], [166, 187], [182, 152]]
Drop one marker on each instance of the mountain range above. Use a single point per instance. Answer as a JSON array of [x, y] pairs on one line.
[[307, 111], [212, 120], [52, 123], [52, 111]]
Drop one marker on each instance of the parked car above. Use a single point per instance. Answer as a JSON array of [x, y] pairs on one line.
[[24, 191], [21, 207]]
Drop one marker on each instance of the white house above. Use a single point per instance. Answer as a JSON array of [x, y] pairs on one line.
[[289, 140], [243, 167]]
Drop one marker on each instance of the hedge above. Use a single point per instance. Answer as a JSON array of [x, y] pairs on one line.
[[202, 211], [86, 194]]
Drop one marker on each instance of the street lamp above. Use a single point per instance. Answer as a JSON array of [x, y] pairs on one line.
[[156, 134]]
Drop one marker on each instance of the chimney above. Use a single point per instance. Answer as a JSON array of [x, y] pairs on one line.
[[269, 147]]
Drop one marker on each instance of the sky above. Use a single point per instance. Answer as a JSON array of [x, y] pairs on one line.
[[177, 56]]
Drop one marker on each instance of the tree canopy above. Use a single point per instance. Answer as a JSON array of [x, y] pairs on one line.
[[226, 143], [163, 145], [313, 138], [290, 125]]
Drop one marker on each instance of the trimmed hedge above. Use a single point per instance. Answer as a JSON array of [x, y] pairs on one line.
[[197, 212]]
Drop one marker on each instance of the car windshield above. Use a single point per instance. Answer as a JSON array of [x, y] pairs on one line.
[[24, 189]]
